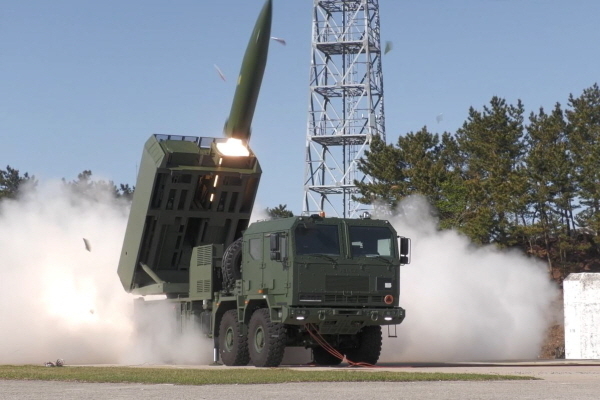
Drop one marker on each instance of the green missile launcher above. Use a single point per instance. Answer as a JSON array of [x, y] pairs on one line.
[[187, 194], [326, 284], [192, 191]]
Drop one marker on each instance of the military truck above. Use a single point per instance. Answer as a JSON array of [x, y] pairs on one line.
[[328, 284]]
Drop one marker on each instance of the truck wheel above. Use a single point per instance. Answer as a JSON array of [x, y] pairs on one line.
[[233, 346], [369, 346], [323, 357], [232, 264], [266, 340]]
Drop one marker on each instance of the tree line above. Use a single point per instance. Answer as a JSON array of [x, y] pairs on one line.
[[12, 183], [504, 179]]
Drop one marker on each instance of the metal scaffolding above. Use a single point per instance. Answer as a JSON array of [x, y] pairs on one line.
[[346, 103]]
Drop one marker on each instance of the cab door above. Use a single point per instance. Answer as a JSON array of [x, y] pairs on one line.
[[253, 265], [276, 248]]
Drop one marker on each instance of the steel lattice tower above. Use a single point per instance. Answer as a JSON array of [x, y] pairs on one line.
[[346, 103]]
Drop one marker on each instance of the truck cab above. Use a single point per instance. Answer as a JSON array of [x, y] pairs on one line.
[[306, 264], [328, 284]]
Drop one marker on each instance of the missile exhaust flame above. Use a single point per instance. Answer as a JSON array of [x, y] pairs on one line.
[[233, 148]]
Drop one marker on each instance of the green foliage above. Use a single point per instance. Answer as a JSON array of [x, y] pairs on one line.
[[280, 211], [499, 180], [550, 171], [86, 187], [384, 163], [584, 137], [491, 149], [125, 191], [11, 181]]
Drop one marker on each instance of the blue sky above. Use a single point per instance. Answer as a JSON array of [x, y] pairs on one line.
[[85, 83]]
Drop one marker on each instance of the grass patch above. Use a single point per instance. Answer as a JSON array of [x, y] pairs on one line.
[[224, 376]]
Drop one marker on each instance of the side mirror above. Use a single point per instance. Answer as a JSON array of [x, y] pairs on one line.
[[404, 250]]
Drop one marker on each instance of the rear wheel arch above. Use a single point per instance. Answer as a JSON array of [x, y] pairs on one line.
[[251, 307]]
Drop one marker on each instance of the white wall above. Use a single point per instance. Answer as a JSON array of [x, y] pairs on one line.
[[582, 316]]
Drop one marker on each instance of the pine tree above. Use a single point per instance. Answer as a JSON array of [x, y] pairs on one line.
[[584, 133], [85, 187], [383, 163], [491, 144], [431, 171], [280, 211], [11, 182], [452, 204], [550, 181]]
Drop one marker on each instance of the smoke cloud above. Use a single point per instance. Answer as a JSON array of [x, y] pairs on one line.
[[259, 213], [160, 338], [463, 302], [61, 300]]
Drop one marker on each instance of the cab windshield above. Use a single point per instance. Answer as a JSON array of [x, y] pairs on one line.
[[371, 241], [317, 239]]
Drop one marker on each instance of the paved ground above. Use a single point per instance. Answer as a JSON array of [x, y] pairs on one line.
[[559, 380]]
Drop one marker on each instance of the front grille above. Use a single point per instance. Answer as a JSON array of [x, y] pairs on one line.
[[328, 298], [377, 299], [345, 283], [310, 298], [338, 298]]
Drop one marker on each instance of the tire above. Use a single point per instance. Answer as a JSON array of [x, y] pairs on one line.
[[369, 346], [232, 264], [233, 345], [323, 357], [266, 340]]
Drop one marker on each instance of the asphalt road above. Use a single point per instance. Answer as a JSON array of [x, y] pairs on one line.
[[559, 380]]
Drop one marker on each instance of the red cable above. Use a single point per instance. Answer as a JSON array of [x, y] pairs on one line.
[[331, 350]]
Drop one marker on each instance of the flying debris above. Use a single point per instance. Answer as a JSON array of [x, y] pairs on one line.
[[278, 40], [220, 73], [439, 118], [388, 47], [59, 363], [88, 246]]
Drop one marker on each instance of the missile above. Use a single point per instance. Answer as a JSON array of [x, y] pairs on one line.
[[250, 78]]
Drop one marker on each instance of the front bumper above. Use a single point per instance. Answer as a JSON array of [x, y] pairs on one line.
[[343, 320]]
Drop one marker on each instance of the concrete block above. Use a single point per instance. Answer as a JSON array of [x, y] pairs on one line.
[[582, 316]]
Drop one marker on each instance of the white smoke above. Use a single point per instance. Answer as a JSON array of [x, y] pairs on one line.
[[464, 302], [162, 338], [259, 213], [60, 300]]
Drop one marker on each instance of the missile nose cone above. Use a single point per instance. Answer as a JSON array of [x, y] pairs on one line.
[[250, 78]]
